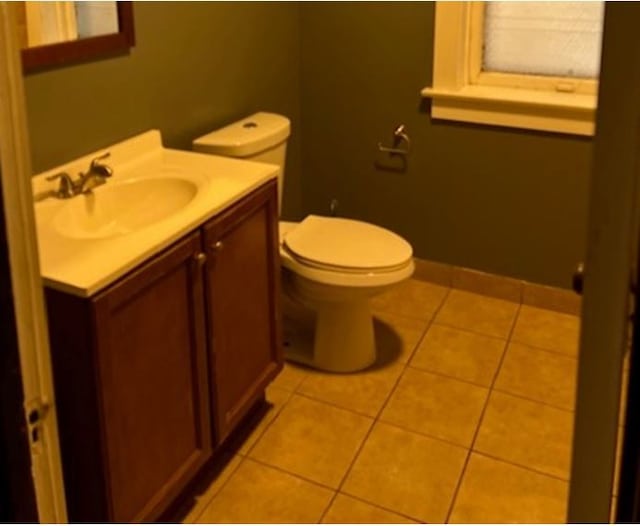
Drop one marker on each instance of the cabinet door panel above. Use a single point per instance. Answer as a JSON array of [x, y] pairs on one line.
[[242, 290], [153, 382]]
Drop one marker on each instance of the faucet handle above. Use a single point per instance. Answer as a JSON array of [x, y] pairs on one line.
[[66, 188], [96, 160], [98, 168]]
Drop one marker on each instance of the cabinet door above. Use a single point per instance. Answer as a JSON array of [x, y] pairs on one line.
[[242, 287], [152, 380]]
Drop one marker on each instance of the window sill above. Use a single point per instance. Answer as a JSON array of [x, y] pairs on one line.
[[518, 108]]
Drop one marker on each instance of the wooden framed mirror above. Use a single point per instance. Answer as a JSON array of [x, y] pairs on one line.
[[82, 49]]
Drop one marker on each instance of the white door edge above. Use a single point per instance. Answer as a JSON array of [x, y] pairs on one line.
[[31, 323]]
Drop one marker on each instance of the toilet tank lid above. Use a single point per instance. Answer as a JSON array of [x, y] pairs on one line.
[[248, 136]]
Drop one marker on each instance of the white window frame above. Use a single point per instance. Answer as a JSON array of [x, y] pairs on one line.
[[461, 91]]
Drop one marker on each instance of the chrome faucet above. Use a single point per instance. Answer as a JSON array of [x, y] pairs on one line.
[[96, 175]]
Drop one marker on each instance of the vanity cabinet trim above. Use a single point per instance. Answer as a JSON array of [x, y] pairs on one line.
[[71, 328]]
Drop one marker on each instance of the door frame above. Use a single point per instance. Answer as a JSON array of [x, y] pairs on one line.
[[26, 283]]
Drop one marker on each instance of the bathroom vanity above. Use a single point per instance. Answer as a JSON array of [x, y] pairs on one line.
[[158, 362]]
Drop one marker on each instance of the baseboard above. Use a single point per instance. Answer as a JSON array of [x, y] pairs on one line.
[[502, 287]]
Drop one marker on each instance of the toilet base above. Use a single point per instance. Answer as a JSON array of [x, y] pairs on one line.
[[344, 340], [341, 340]]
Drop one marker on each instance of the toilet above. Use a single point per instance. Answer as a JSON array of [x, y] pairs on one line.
[[331, 266]]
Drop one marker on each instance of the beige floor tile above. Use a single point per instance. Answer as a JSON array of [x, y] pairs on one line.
[[527, 433], [547, 329], [347, 510], [412, 298], [203, 495], [396, 336], [496, 492], [407, 473], [465, 355], [313, 439], [364, 392], [260, 494], [276, 399], [477, 313], [539, 375], [290, 377], [435, 405]]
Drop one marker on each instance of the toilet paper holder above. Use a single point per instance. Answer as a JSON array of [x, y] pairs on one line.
[[400, 137]]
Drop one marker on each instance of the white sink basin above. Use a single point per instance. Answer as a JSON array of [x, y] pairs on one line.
[[120, 208], [155, 197]]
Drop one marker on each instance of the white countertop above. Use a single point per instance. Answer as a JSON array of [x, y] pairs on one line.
[[82, 266]]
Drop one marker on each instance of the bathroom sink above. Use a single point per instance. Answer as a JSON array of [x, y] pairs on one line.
[[154, 197], [116, 209]]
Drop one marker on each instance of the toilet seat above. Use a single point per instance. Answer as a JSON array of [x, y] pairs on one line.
[[344, 252], [346, 245]]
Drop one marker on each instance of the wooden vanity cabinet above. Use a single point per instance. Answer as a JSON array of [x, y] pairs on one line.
[[157, 369], [131, 379], [242, 289]]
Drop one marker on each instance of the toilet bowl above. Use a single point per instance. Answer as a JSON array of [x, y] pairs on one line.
[[334, 266], [331, 266]]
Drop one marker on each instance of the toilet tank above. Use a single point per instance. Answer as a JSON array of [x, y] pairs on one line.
[[260, 137]]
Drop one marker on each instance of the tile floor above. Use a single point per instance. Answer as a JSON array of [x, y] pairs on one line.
[[467, 417]]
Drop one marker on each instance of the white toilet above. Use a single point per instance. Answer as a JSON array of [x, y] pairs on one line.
[[331, 265]]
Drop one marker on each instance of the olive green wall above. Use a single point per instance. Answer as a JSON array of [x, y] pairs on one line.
[[500, 200], [195, 67]]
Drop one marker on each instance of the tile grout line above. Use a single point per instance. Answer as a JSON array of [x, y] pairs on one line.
[[521, 293], [429, 323], [314, 398], [510, 340], [289, 473], [376, 505], [243, 458], [533, 400], [216, 493], [484, 386], [382, 407], [448, 376], [481, 418], [470, 331], [377, 419], [291, 393], [543, 349], [521, 466]]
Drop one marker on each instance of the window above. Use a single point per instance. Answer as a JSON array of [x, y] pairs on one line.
[[521, 64]]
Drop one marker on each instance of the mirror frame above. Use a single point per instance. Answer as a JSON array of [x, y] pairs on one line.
[[82, 50]]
